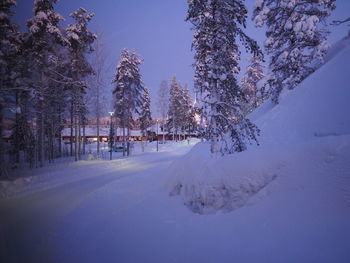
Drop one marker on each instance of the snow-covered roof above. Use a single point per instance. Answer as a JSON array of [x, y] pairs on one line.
[[89, 131]]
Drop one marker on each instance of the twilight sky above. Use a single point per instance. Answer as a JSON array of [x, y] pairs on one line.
[[157, 31]]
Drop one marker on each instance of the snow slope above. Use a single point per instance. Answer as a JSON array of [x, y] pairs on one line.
[[310, 127]]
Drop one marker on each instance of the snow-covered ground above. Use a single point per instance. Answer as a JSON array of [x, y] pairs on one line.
[[289, 199], [37, 209], [123, 213], [306, 119]]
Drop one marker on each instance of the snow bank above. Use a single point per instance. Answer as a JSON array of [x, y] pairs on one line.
[[210, 184], [315, 110]]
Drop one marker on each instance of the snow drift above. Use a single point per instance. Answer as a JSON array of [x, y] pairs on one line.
[[312, 120]]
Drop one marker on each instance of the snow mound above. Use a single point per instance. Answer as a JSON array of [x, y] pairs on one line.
[[210, 184], [317, 109]]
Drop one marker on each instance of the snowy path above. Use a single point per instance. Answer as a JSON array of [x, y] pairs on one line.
[[124, 214], [29, 224]]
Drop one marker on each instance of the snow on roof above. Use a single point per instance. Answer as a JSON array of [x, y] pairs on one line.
[[89, 131]]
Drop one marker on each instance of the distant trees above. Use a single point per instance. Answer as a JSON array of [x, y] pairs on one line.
[[43, 72], [145, 113], [163, 103], [295, 39], [174, 119], [180, 114], [128, 91], [217, 25]]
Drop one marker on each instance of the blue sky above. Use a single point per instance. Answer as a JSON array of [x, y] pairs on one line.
[[157, 31]]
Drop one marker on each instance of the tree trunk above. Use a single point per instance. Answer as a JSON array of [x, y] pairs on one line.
[[174, 127], [41, 146], [76, 139], [84, 139], [53, 140], [41, 150], [3, 171], [71, 127], [189, 133], [49, 139], [60, 137], [79, 141], [128, 142], [202, 126], [98, 122], [163, 131], [16, 137], [214, 137], [123, 141]]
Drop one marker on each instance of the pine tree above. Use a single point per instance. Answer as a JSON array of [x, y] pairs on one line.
[[99, 62], [80, 44], [174, 111], [9, 46], [128, 91], [180, 115], [295, 40], [217, 24], [163, 103], [186, 111], [145, 114], [253, 94], [44, 33]]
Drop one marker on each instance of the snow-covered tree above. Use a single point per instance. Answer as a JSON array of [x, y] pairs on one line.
[[97, 84], [218, 24], [163, 103], [128, 90], [186, 111], [296, 39], [253, 93], [80, 44], [9, 45], [145, 113], [44, 34], [174, 110], [180, 114]]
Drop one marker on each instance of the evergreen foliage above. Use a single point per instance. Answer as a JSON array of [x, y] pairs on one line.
[[218, 24], [145, 114], [129, 88], [40, 70], [296, 40]]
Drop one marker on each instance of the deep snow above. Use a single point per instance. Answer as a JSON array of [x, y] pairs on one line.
[[314, 111], [291, 195], [37, 208]]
